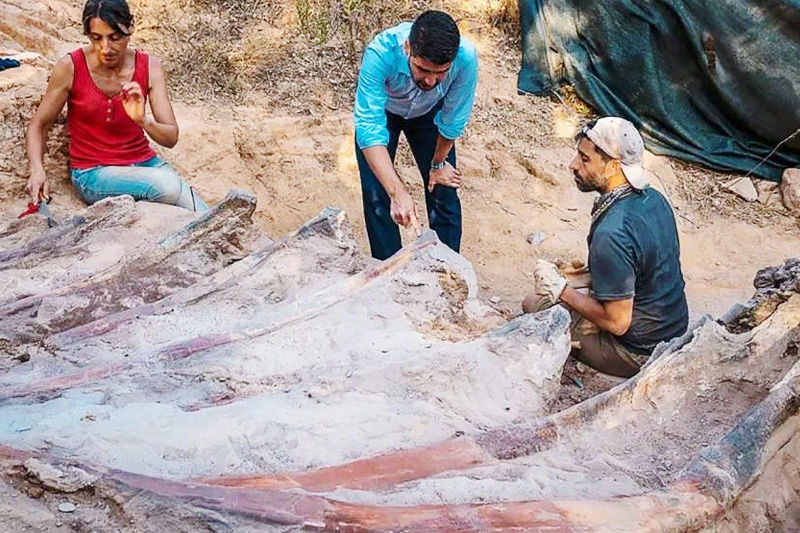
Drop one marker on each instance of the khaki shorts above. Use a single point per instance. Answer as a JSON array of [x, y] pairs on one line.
[[602, 351]]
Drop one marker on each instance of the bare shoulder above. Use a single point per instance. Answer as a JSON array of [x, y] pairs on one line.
[[156, 68], [156, 65], [64, 64], [63, 71]]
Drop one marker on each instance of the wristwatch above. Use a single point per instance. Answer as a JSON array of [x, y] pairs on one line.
[[438, 166]]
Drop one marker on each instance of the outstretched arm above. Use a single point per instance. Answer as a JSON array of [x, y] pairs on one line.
[[452, 119], [402, 207], [162, 126], [54, 99], [372, 137]]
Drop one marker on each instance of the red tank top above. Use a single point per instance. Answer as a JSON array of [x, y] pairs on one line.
[[101, 133]]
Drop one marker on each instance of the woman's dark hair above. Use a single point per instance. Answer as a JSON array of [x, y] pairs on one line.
[[434, 37], [115, 13]]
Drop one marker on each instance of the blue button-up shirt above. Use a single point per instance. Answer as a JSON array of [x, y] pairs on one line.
[[385, 84]]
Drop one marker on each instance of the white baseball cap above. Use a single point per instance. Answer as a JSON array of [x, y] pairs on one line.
[[620, 139]]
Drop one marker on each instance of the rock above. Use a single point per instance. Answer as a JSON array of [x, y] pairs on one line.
[[790, 190], [768, 193], [742, 187], [62, 479], [67, 507], [537, 237]]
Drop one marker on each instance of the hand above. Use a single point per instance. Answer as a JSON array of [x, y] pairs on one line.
[[448, 176], [549, 281], [37, 187], [133, 101], [404, 211]]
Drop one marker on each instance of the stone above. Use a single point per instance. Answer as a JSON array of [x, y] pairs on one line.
[[742, 187], [790, 190], [60, 478], [537, 237], [67, 507], [769, 193]]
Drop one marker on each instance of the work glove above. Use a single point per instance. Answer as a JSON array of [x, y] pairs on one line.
[[549, 281]]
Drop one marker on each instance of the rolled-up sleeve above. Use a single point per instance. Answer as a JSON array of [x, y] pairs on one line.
[[370, 106], [452, 119]]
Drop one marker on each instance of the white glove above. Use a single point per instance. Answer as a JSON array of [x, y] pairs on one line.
[[549, 281]]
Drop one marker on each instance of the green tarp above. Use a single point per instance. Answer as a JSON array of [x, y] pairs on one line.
[[715, 82]]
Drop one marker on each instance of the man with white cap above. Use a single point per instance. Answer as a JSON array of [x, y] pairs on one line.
[[637, 297]]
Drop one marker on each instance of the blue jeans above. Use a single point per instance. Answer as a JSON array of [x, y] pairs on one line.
[[152, 180], [444, 207]]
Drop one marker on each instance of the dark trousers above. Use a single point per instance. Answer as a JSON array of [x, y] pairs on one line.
[[600, 350], [444, 207]]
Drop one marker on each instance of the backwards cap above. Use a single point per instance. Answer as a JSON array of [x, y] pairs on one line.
[[620, 140]]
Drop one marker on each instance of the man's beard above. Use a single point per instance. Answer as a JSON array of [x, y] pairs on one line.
[[587, 185], [432, 87]]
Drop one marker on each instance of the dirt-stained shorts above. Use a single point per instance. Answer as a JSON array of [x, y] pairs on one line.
[[600, 350]]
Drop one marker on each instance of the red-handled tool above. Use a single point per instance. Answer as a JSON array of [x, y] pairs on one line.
[[42, 208], [32, 208]]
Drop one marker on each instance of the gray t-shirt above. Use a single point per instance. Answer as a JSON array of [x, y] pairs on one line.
[[634, 253]]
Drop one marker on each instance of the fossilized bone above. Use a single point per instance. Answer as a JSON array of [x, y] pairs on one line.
[[295, 311], [695, 500], [328, 222], [62, 239], [203, 247], [284, 315], [660, 412], [764, 346]]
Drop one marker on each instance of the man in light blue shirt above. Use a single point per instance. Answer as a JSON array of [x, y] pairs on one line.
[[418, 79]]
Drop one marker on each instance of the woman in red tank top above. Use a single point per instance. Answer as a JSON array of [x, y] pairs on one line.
[[106, 86]]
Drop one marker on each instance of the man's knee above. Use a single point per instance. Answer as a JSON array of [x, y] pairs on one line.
[[533, 303], [446, 206]]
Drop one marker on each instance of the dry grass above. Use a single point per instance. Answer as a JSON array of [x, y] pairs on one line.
[[503, 16], [702, 189], [218, 51], [302, 55], [200, 40], [316, 67]]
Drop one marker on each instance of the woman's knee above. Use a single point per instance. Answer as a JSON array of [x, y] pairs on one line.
[[165, 187]]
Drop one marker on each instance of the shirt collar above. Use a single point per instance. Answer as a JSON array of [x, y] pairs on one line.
[[404, 66]]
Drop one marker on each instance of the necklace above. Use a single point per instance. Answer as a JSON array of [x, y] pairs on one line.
[[603, 202]]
